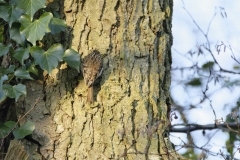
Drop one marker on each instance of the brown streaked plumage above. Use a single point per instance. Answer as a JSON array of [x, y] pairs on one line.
[[92, 67]]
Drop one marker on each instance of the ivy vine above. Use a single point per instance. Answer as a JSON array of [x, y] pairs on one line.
[[24, 30]]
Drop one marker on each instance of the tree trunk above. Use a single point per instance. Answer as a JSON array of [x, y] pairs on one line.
[[129, 118]]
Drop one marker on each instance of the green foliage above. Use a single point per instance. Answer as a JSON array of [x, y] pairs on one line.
[[57, 25], [72, 58], [2, 92], [18, 132], [230, 142], [31, 6], [35, 30], [5, 128], [48, 60], [236, 67], [15, 91], [24, 130], [5, 71], [4, 49], [9, 13], [208, 65], [32, 68], [22, 74], [233, 136], [21, 54], [15, 34], [25, 29], [196, 82]]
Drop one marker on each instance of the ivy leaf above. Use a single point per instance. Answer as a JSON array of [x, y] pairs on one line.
[[15, 34], [31, 68], [195, 82], [21, 54], [47, 60], [4, 49], [9, 13], [25, 21], [2, 95], [57, 25], [6, 128], [3, 78], [34, 31], [72, 58], [31, 6], [2, 92], [22, 74], [10, 125], [3, 10], [4, 71], [13, 2], [15, 91], [24, 130]]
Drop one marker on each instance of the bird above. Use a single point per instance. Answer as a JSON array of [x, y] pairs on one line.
[[92, 67]]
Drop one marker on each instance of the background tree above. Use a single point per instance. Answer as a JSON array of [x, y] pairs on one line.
[[206, 73], [130, 115]]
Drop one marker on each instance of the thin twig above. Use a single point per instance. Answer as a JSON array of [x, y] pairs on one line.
[[208, 43]]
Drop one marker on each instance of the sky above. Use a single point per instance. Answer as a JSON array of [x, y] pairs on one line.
[[224, 28]]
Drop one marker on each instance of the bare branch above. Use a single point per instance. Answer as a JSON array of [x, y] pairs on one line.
[[193, 127]]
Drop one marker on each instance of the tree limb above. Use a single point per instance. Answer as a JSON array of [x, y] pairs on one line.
[[193, 127]]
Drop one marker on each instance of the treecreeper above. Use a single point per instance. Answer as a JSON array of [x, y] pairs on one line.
[[92, 67]]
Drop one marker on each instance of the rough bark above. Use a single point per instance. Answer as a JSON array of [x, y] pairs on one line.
[[129, 117]]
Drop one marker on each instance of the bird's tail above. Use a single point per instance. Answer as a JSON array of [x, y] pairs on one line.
[[90, 95]]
